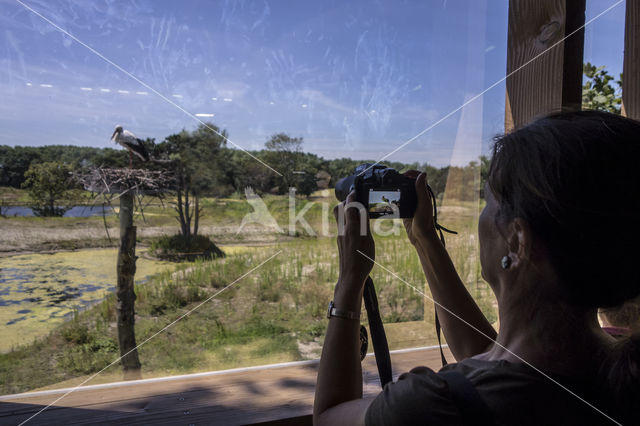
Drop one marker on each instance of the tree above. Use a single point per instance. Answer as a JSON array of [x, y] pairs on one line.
[[306, 182], [484, 173], [14, 163], [242, 171], [323, 178], [47, 183], [195, 162], [598, 93], [284, 152], [341, 167]]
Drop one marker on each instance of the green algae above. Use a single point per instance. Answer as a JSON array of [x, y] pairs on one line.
[[40, 291]]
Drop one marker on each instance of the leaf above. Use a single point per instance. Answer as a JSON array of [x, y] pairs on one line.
[[601, 99]]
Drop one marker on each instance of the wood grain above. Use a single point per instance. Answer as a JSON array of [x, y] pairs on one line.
[[544, 73], [631, 66], [275, 395]]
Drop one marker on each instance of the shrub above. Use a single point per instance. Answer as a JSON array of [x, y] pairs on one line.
[[178, 248], [47, 183]]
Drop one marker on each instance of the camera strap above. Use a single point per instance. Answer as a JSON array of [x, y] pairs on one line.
[[440, 228], [378, 336]]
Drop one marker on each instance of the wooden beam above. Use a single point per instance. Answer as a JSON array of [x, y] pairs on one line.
[[631, 67], [547, 70]]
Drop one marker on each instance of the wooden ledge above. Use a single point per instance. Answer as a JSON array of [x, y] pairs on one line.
[[280, 394]]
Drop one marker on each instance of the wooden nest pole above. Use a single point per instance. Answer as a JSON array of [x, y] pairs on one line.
[[125, 185], [125, 294]]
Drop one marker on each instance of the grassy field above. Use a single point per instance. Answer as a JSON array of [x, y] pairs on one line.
[[221, 219], [275, 314]]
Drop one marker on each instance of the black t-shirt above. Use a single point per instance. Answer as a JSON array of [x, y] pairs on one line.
[[515, 393]]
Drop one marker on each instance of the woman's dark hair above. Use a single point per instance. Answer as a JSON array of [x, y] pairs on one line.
[[575, 178]]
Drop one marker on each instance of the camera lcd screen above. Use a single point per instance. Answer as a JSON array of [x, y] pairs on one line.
[[384, 203]]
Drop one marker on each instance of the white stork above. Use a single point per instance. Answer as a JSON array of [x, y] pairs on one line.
[[131, 143]]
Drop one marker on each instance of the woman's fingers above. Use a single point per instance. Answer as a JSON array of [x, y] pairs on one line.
[[421, 188], [411, 174], [352, 213], [356, 216], [421, 184], [353, 237]]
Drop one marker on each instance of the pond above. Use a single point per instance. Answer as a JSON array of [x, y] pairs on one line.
[[75, 211], [40, 291]]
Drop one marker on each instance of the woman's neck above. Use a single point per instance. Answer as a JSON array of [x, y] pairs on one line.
[[552, 337]]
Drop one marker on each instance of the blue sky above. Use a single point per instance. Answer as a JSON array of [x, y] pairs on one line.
[[354, 79]]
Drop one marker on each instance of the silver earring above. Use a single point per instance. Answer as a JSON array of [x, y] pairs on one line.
[[505, 262]]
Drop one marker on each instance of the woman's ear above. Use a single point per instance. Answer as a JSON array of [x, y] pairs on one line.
[[519, 240]]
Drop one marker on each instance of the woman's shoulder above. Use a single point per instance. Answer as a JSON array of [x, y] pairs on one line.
[[422, 396], [419, 396], [484, 373], [515, 393], [521, 393]]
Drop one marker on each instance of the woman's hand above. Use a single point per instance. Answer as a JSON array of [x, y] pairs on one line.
[[355, 244], [421, 226]]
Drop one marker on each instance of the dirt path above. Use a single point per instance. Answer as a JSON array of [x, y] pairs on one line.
[[23, 239]]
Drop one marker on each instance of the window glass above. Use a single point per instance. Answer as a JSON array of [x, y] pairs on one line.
[[603, 56], [223, 107]]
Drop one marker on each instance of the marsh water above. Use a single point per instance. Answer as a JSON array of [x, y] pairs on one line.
[[75, 211], [39, 291]]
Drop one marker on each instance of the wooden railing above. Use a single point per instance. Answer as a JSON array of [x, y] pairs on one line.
[[279, 394]]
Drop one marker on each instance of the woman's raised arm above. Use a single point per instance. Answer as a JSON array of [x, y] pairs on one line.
[[446, 286], [338, 399]]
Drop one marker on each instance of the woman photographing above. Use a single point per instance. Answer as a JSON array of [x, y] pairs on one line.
[[558, 239]]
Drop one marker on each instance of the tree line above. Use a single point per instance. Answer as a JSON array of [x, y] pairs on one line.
[[205, 165]]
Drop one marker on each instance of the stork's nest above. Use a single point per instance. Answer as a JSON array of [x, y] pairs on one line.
[[119, 181]]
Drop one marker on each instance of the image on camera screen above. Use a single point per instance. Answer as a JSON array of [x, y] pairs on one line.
[[384, 203]]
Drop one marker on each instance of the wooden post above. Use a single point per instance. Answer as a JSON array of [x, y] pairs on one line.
[[631, 67], [125, 291], [552, 81]]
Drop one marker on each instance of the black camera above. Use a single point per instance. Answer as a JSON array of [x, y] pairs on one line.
[[381, 190]]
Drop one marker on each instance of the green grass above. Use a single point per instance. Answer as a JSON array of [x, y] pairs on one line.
[[220, 219], [151, 211]]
